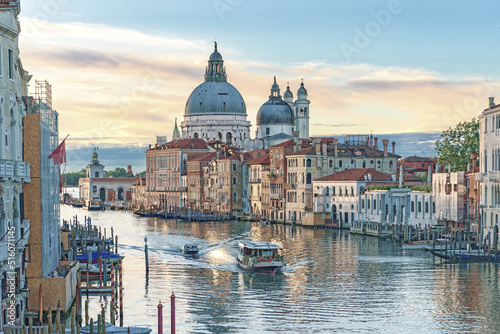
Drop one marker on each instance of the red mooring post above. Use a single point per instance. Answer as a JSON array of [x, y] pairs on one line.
[[160, 318], [172, 313]]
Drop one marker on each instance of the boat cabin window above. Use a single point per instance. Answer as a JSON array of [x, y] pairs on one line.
[[267, 252]]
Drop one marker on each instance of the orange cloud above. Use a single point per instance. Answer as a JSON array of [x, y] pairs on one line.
[[124, 87]]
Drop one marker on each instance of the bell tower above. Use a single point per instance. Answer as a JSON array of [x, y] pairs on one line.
[[302, 112]]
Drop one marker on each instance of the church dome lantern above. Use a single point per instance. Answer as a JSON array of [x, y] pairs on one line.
[[215, 95], [302, 92]]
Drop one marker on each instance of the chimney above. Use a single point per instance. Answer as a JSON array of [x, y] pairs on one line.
[[376, 143], [371, 140], [129, 169], [317, 142], [492, 102], [296, 140], [336, 146], [474, 161], [324, 149], [385, 142], [393, 147]]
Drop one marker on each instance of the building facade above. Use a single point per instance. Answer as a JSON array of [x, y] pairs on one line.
[[165, 164], [108, 190], [14, 170], [489, 175], [215, 110]]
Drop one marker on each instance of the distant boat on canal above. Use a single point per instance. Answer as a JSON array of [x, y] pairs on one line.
[[190, 249], [260, 256]]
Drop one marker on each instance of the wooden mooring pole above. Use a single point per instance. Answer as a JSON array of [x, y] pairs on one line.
[[172, 313], [160, 318], [146, 254]]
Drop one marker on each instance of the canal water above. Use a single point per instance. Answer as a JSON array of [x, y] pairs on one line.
[[334, 282]]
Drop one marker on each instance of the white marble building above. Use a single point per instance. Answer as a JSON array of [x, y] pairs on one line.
[[489, 175], [215, 110], [14, 172]]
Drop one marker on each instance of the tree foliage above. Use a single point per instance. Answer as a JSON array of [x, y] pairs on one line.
[[71, 179], [118, 172], [457, 145]]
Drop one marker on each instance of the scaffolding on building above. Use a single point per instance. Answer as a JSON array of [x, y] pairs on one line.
[[41, 103], [356, 139]]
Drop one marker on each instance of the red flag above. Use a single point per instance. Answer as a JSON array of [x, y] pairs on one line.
[[59, 154]]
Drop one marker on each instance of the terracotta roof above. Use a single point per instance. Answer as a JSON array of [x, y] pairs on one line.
[[305, 151], [291, 143], [418, 159], [357, 174], [345, 151], [185, 144], [8, 4], [264, 160], [409, 178], [206, 157]]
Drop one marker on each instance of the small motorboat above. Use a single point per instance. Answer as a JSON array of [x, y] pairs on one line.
[[190, 249], [113, 258]]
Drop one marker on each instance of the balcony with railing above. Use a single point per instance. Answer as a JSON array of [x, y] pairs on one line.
[[182, 189], [22, 171], [7, 169], [494, 175], [275, 196]]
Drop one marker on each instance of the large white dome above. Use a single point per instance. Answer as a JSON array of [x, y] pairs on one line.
[[215, 97]]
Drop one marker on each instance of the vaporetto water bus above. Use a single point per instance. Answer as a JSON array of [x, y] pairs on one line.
[[261, 256]]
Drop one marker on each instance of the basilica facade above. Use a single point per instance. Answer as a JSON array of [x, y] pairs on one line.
[[215, 110]]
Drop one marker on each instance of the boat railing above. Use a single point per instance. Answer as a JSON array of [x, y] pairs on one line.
[[267, 259]]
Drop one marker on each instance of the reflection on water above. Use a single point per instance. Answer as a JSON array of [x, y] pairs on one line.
[[333, 282]]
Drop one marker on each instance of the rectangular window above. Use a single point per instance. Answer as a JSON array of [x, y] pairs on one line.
[[96, 174], [11, 64], [267, 131]]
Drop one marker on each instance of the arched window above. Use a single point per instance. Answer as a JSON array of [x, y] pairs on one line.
[[120, 194], [308, 164], [419, 206], [308, 178], [364, 163], [374, 204], [305, 111], [331, 163], [340, 163], [426, 207], [327, 191], [195, 135], [390, 164], [229, 138], [235, 197], [219, 135], [412, 206], [234, 180]]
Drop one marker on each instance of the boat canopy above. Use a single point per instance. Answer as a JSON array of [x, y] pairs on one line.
[[258, 245]]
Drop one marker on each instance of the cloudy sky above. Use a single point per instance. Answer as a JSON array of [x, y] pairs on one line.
[[122, 71]]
